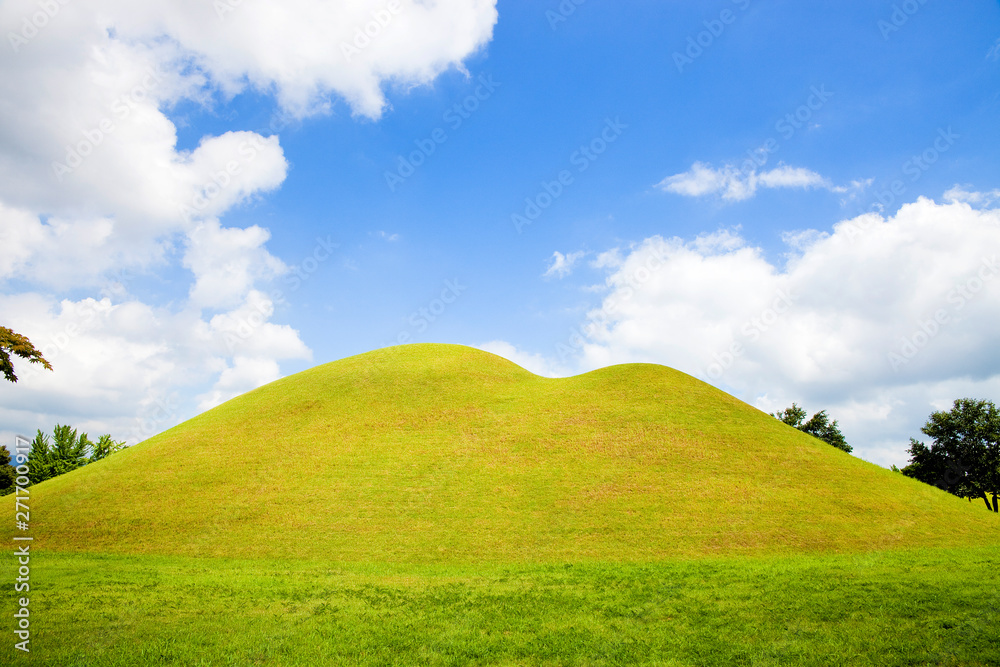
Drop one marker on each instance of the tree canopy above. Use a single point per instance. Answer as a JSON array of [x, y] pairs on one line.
[[819, 426], [65, 452], [964, 455], [7, 472], [20, 346]]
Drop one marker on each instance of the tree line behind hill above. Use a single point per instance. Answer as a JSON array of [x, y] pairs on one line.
[[962, 459], [49, 458]]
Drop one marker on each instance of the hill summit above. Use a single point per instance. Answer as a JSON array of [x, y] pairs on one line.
[[427, 453]]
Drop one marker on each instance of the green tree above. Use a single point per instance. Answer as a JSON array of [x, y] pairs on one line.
[[20, 346], [964, 456], [7, 473], [819, 426], [104, 447], [65, 452]]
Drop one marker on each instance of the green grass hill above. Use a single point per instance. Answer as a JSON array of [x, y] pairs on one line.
[[435, 453]]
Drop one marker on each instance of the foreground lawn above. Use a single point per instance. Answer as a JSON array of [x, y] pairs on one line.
[[937, 607]]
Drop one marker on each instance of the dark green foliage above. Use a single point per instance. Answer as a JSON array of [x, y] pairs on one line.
[[66, 452], [104, 447], [7, 473], [818, 426], [20, 346], [793, 416], [964, 457]]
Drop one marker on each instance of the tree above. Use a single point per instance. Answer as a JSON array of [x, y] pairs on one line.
[[964, 456], [67, 451], [104, 447], [819, 426], [20, 346], [7, 473]]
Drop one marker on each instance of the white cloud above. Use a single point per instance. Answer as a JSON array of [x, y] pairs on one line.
[[245, 374], [227, 262], [959, 194], [880, 321], [791, 177], [85, 140], [562, 265], [608, 259], [117, 364], [246, 331], [93, 183], [307, 50], [62, 253], [734, 184], [536, 363]]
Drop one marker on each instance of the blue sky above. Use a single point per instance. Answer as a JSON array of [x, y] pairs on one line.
[[646, 110]]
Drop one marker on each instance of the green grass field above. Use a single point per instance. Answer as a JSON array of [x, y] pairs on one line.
[[937, 607], [436, 504]]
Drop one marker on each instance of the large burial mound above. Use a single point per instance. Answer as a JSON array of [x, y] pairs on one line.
[[445, 453]]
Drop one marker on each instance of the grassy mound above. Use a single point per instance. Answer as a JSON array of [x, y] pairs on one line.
[[438, 453]]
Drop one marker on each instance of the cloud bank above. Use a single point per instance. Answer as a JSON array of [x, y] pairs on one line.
[[97, 195], [880, 321]]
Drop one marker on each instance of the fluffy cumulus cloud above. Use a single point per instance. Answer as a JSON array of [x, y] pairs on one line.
[[227, 262], [878, 310], [734, 184], [125, 367], [94, 184], [879, 321], [88, 151]]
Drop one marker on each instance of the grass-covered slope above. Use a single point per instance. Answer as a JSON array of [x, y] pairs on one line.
[[446, 453]]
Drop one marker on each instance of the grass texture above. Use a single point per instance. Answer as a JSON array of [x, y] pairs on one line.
[[447, 454], [933, 607]]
